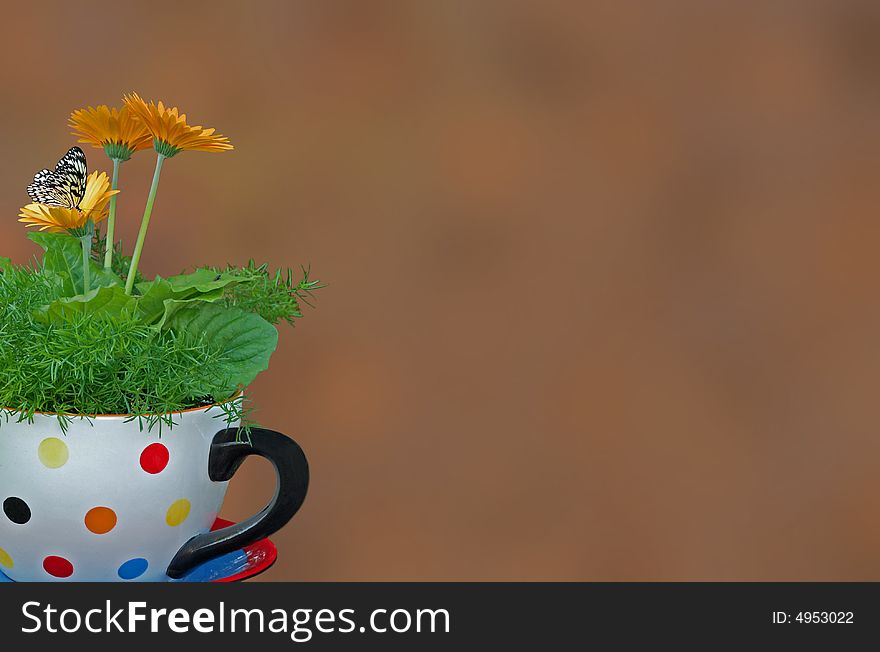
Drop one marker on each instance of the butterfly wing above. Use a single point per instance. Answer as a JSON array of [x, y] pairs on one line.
[[72, 169], [65, 186], [47, 190]]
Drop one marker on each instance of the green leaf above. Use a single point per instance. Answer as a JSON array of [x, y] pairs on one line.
[[64, 257], [4, 263], [100, 302], [151, 306], [103, 278], [246, 340], [199, 282], [162, 297]]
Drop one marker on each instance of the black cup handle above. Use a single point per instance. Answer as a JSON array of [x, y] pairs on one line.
[[228, 450]]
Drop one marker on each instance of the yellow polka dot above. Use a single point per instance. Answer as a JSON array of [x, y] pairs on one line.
[[53, 452], [5, 559], [178, 512]]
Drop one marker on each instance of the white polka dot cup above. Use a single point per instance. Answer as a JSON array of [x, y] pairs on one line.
[[109, 501]]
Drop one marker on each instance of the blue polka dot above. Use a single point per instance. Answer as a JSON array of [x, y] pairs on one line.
[[133, 568]]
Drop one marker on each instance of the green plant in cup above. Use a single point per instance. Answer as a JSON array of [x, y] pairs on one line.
[[82, 332]]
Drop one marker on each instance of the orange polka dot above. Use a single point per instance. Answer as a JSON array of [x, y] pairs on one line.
[[100, 520]]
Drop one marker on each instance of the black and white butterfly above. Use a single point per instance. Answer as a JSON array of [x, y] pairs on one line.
[[65, 185]]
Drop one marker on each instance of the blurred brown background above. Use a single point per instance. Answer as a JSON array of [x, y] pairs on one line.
[[604, 280]]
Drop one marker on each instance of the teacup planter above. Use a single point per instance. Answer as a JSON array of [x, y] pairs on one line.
[[124, 415], [108, 500]]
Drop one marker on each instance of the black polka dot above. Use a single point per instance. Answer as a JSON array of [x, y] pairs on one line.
[[16, 510]]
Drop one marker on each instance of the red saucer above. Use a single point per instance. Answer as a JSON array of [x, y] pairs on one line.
[[257, 558]]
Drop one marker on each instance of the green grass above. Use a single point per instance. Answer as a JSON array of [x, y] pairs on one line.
[[275, 297], [91, 365]]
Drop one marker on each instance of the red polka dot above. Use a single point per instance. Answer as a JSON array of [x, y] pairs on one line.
[[154, 459], [58, 567]]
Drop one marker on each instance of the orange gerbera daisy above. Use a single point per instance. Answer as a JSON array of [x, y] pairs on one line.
[[119, 132], [61, 219], [171, 134]]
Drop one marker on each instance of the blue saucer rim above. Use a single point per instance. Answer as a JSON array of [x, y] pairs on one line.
[[224, 579]]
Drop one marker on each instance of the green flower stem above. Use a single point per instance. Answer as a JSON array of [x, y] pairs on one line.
[[111, 220], [145, 224], [86, 241]]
